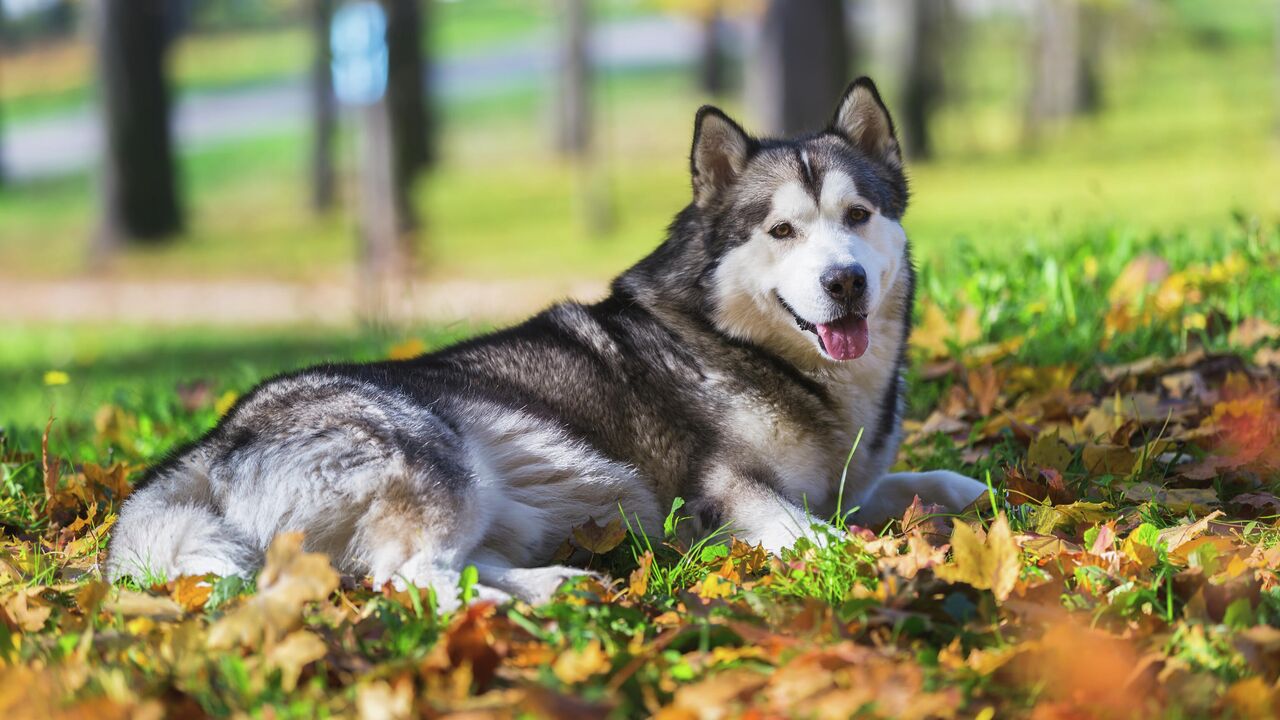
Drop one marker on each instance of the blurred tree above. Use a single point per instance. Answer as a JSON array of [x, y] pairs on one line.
[[412, 123], [323, 107], [574, 118], [139, 185], [801, 66], [1066, 57], [713, 76], [924, 87], [573, 107]]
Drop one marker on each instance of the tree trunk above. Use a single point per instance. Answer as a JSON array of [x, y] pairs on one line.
[[713, 68], [1066, 57], [323, 108], [139, 180], [924, 82], [386, 234], [410, 122], [573, 120], [801, 66]]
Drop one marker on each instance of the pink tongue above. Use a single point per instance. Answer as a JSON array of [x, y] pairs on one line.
[[846, 338]]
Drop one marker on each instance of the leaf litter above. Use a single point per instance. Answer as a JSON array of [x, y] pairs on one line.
[[1124, 563]]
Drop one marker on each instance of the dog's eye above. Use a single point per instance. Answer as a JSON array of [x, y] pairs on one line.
[[782, 230], [857, 215]]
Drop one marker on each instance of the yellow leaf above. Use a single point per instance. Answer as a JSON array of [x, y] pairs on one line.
[[411, 348], [639, 581], [1049, 451], [379, 700], [575, 666], [1048, 518], [1252, 699], [1107, 459], [990, 564], [715, 587], [297, 650], [56, 377], [289, 580], [191, 592], [224, 402], [130, 603], [25, 610]]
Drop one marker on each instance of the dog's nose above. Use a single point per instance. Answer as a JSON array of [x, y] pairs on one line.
[[845, 284]]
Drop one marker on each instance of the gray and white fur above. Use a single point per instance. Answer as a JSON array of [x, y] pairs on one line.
[[704, 375]]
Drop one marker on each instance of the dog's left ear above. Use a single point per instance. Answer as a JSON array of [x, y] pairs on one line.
[[864, 121], [720, 152]]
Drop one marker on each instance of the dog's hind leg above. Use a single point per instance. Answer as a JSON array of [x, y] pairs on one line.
[[171, 527], [421, 524]]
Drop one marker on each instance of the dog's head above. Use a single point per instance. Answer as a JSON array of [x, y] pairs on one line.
[[805, 233]]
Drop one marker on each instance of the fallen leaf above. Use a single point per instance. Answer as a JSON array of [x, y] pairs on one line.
[[599, 539], [289, 580], [578, 665], [297, 650], [986, 564]]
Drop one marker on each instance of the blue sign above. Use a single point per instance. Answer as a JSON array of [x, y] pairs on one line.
[[358, 41]]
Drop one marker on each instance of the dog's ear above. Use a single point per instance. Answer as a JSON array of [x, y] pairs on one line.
[[720, 152], [864, 121]]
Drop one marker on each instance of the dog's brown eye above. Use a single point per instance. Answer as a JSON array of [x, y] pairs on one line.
[[782, 230], [857, 215]]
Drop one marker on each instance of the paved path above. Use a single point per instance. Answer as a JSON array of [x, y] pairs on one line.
[[69, 143], [246, 303]]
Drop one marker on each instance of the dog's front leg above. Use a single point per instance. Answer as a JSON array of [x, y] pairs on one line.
[[745, 502], [889, 496]]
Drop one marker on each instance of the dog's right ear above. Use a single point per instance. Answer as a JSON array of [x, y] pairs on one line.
[[720, 151]]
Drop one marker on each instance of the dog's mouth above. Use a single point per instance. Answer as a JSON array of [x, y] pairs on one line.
[[843, 338]]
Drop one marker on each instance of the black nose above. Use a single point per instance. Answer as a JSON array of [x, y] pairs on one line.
[[845, 284]]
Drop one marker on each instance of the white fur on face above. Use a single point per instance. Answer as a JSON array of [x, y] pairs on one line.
[[750, 274]]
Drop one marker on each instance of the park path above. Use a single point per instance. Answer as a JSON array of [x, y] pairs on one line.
[[69, 143], [264, 303]]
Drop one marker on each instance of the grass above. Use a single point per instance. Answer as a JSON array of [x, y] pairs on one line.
[[1125, 573]]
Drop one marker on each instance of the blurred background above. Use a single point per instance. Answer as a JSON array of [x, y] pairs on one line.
[[198, 183]]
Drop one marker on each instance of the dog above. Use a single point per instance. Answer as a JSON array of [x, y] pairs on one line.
[[735, 367]]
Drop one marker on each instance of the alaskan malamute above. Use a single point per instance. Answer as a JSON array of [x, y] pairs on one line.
[[733, 367]]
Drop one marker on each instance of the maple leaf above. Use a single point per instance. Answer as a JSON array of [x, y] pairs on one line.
[[289, 580], [1049, 451], [599, 539], [990, 563]]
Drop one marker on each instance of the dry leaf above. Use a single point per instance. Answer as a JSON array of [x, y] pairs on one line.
[[289, 580], [991, 563], [597, 539]]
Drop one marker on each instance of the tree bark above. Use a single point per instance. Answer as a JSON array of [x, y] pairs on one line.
[[801, 66], [573, 117], [139, 182], [924, 85], [324, 109]]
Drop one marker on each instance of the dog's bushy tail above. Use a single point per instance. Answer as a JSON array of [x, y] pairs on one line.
[[169, 528]]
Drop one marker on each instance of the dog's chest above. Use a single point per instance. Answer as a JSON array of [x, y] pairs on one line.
[[807, 452]]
